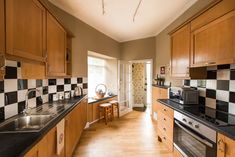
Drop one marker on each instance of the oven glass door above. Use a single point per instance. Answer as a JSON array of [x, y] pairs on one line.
[[192, 144]]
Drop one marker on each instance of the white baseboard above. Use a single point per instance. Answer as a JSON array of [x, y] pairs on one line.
[[138, 105]]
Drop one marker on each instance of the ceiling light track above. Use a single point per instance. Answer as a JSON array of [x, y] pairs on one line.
[[103, 9], [136, 10]]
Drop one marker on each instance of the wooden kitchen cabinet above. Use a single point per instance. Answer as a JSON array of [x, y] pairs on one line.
[[52, 142], [158, 93], [2, 39], [225, 146], [180, 52], [33, 152], [46, 147], [56, 48], [32, 71], [25, 30], [39, 150], [75, 123], [2, 27], [213, 44], [165, 125]]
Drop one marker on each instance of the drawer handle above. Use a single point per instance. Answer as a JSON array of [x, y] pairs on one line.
[[209, 63], [164, 119], [165, 109], [164, 129]]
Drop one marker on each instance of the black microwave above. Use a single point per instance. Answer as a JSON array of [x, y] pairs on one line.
[[184, 95]]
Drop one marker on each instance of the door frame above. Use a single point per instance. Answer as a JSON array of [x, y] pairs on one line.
[[151, 74]]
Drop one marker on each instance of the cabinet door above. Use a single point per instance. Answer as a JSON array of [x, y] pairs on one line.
[[214, 43], [56, 48], [155, 96], [52, 143], [72, 132], [25, 29], [33, 152], [225, 146], [43, 147], [180, 53], [2, 27]]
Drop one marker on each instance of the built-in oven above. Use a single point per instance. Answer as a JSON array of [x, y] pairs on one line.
[[192, 138]]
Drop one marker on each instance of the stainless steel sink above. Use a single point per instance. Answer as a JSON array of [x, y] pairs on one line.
[[30, 123]]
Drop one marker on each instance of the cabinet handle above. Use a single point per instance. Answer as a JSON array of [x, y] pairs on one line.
[[164, 119], [164, 129], [221, 145], [164, 138], [164, 109], [209, 63]]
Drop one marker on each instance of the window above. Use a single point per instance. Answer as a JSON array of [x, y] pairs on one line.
[[96, 74]]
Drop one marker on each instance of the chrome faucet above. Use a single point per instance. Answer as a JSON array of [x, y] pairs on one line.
[[27, 109]]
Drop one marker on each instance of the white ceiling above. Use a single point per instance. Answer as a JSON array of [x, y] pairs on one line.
[[117, 22]]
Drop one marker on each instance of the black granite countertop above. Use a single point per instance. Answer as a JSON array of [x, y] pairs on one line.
[[93, 100], [17, 144], [189, 111], [164, 87]]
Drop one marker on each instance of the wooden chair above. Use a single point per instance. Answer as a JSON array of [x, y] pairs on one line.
[[115, 105], [107, 109]]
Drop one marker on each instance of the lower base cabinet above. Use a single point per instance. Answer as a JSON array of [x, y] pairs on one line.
[[165, 125], [225, 146], [46, 147], [74, 125], [75, 122]]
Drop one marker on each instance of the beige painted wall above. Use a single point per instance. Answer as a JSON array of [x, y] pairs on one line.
[[139, 49], [163, 44], [86, 38]]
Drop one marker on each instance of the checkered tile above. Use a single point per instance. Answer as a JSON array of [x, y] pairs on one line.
[[13, 89], [218, 90]]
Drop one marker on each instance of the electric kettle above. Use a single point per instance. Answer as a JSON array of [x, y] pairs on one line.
[[78, 91]]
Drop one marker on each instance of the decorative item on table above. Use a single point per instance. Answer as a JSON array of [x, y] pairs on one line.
[[100, 91], [110, 93]]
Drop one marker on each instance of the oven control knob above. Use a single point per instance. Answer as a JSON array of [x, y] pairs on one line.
[[184, 120], [190, 123], [196, 126]]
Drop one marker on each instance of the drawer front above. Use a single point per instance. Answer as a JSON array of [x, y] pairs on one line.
[[166, 140], [166, 120], [166, 110], [166, 131]]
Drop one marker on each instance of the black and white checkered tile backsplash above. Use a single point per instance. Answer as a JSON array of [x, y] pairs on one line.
[[218, 90], [13, 89]]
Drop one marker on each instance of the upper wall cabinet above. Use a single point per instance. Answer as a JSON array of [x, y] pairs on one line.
[[2, 27], [2, 39], [213, 44], [180, 50], [25, 30], [56, 48]]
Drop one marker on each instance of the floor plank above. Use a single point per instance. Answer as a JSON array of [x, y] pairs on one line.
[[130, 136]]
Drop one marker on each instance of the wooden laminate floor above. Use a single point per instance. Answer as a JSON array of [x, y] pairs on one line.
[[130, 136]]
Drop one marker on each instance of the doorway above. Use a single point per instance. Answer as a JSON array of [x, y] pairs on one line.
[[135, 85], [141, 84]]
